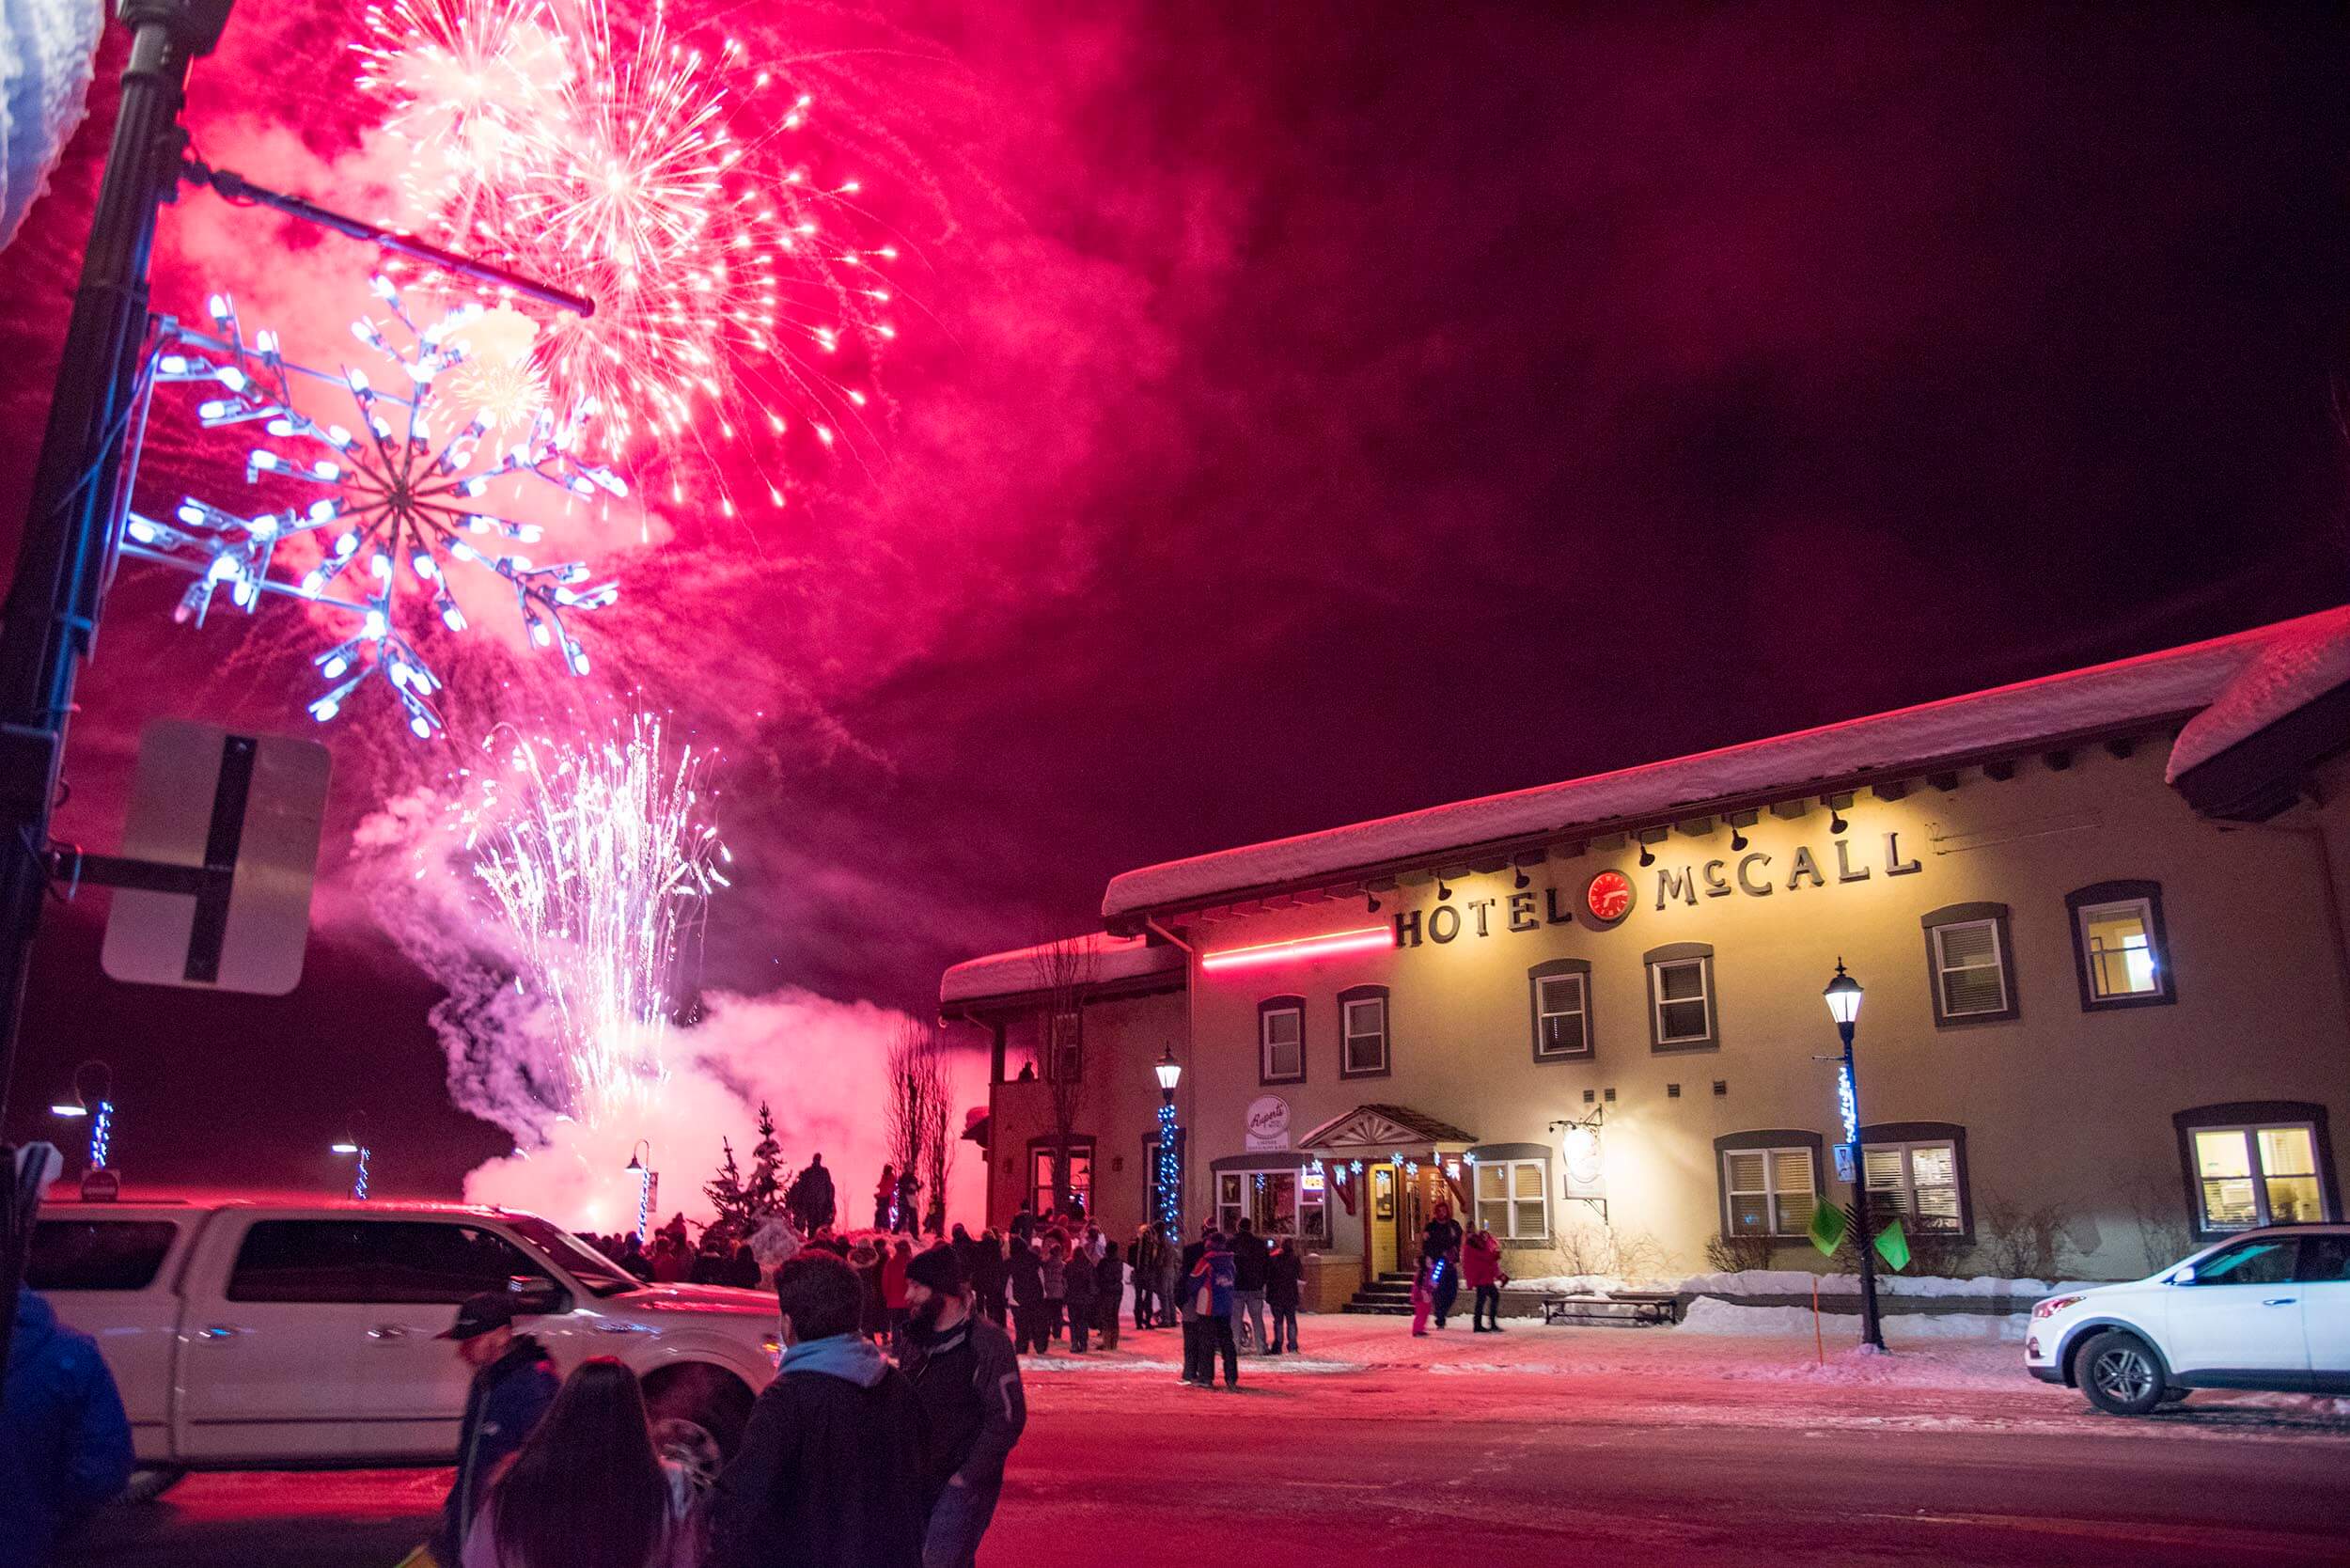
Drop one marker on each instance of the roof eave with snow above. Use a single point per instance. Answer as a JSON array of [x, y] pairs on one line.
[[2110, 700], [1104, 964]]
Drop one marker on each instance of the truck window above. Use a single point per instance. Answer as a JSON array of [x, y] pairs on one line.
[[437, 1262], [599, 1274], [302, 1259], [391, 1261], [98, 1254]]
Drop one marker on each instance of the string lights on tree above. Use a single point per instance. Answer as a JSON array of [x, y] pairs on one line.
[[421, 486]]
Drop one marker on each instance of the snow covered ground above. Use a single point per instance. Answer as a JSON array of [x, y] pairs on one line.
[[1724, 1364]]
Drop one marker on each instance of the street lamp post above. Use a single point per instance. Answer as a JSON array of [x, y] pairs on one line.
[[355, 1144], [93, 1097], [1170, 1173], [1843, 1005], [641, 1165]]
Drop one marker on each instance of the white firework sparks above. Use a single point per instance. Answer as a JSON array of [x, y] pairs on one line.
[[600, 863]]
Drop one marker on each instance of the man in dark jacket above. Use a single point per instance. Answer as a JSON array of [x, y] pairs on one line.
[[831, 1470], [513, 1382], [65, 1444], [1441, 1245], [1251, 1266], [968, 1379], [1024, 1272], [811, 1199]]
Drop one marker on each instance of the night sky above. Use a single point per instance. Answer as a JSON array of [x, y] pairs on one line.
[[1316, 412]]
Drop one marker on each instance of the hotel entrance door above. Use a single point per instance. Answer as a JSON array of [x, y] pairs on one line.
[[1379, 1225]]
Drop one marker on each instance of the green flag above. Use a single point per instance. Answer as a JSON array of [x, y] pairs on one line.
[[1892, 1245], [1827, 1228]]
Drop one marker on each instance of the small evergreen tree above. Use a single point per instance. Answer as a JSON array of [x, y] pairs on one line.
[[727, 1196], [762, 1195]]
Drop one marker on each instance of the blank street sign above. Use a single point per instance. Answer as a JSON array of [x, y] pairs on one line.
[[247, 805]]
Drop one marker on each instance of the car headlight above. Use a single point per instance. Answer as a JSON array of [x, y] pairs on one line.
[[2054, 1305]]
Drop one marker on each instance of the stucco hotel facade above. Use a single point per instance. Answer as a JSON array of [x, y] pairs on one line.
[[2099, 917]]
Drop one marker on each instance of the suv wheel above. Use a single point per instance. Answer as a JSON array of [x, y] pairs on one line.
[[2120, 1373]]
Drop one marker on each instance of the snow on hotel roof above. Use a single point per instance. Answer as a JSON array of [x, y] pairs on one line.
[[2080, 704], [1015, 973]]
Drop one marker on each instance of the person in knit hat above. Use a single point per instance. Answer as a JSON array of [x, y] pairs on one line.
[[967, 1377]]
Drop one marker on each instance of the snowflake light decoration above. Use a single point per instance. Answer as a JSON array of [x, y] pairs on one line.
[[402, 505]]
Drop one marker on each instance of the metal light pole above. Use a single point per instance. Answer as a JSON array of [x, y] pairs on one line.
[[1843, 1005], [355, 1143], [1170, 1213], [641, 1163], [93, 1097]]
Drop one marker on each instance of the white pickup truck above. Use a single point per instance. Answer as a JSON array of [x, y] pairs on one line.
[[251, 1335]]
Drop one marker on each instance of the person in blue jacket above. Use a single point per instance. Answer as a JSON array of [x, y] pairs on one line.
[[65, 1444], [514, 1382]]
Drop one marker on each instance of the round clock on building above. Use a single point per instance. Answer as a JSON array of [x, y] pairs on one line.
[[1609, 896]]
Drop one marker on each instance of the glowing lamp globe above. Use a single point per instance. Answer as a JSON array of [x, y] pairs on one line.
[[1844, 997], [1169, 1070]]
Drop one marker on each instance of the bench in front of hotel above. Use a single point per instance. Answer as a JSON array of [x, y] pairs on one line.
[[1621, 1307]]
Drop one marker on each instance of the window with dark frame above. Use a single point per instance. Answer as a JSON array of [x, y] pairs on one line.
[[1044, 1190], [1681, 1002], [1969, 967], [1064, 1054], [1561, 1003], [1916, 1184], [1282, 1039], [1363, 1031], [2254, 1174], [2120, 947], [1769, 1191]]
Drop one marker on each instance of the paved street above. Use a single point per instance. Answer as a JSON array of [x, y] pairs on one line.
[[1566, 1446]]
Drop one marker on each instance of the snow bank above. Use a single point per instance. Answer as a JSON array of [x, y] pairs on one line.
[[2175, 682], [1791, 1281], [1707, 1315]]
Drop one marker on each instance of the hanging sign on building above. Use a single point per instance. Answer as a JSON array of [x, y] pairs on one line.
[[1268, 1123]]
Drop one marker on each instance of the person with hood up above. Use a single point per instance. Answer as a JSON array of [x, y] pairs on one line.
[[968, 1380], [1481, 1270], [831, 1470], [64, 1443], [513, 1384], [884, 1197], [1079, 1293]]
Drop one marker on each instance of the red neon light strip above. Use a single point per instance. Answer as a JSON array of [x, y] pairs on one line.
[[1365, 940]]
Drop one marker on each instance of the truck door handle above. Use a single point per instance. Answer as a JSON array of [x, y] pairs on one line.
[[221, 1331], [383, 1333], [2280, 1301]]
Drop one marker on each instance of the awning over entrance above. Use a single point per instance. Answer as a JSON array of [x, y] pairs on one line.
[[1384, 1127]]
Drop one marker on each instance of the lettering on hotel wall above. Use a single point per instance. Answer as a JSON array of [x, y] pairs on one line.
[[1610, 895]]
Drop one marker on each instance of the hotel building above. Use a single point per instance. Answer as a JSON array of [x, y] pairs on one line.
[[2098, 916]]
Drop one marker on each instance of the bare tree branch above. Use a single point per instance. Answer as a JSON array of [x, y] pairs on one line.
[[1065, 971]]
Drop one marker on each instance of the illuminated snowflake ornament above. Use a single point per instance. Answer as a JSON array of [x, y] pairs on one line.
[[397, 505]]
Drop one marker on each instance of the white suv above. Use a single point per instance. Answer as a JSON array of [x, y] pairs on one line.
[[2267, 1308]]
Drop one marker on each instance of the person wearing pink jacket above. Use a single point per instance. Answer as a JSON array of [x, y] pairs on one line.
[[1481, 1270]]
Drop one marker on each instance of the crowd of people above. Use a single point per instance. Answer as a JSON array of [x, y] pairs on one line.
[[852, 1457], [881, 1442]]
